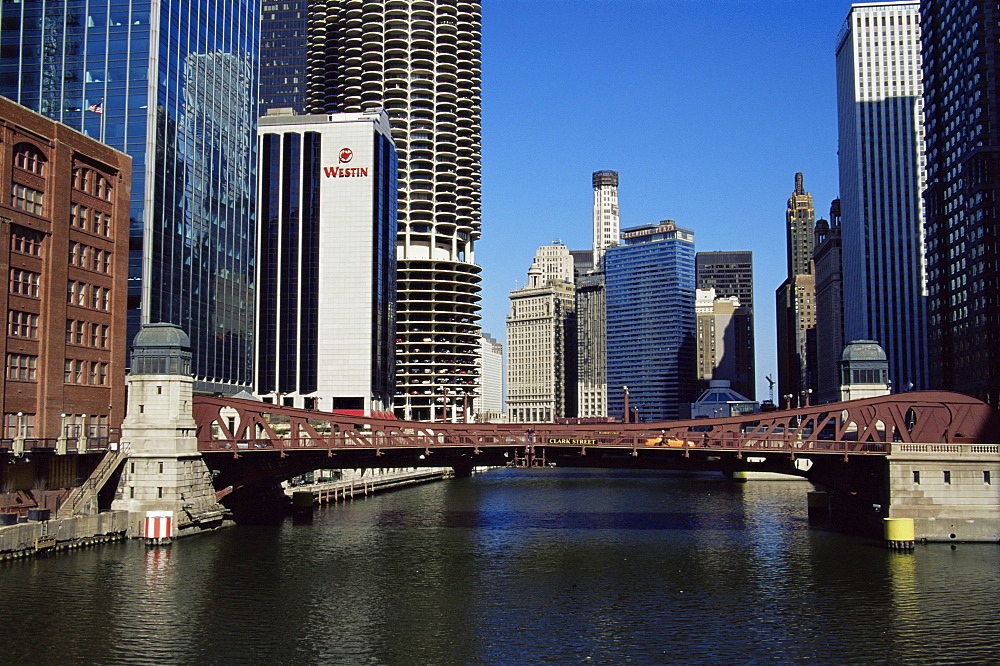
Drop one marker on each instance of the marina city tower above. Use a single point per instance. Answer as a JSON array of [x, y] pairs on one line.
[[421, 62]]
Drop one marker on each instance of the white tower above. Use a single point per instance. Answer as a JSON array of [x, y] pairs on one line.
[[605, 214]]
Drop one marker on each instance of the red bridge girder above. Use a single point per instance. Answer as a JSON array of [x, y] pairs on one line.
[[865, 426]]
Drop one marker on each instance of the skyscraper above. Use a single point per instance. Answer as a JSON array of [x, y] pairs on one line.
[[605, 213], [961, 61], [730, 274], [796, 301], [724, 342], [541, 343], [327, 271], [800, 218], [881, 179], [283, 46], [651, 320], [421, 62], [159, 82], [829, 305]]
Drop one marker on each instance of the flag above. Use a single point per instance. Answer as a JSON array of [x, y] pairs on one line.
[[97, 108]]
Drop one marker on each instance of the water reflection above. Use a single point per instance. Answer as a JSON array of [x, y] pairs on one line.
[[514, 567]]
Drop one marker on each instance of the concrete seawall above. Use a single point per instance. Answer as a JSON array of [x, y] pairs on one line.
[[27, 539]]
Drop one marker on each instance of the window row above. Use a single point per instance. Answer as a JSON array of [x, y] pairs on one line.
[[77, 333], [22, 324], [24, 283], [88, 295], [89, 219], [26, 198], [22, 366], [90, 258], [29, 158], [26, 241], [76, 371], [91, 182]]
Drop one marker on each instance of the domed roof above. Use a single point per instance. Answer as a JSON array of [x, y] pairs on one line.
[[159, 336], [863, 350]]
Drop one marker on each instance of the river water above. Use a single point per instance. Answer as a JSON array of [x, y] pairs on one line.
[[516, 566]]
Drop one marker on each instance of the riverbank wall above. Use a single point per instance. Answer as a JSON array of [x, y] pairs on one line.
[[59, 534]]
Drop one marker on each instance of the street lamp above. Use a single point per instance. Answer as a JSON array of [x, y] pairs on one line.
[[627, 410]]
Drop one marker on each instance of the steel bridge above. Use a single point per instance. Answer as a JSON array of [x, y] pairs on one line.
[[246, 442]]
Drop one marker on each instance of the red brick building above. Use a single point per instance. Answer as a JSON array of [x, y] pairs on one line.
[[66, 259]]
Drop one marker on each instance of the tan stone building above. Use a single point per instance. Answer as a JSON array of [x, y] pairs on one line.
[[541, 346], [724, 351], [66, 258]]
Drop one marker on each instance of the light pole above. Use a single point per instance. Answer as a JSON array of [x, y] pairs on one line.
[[628, 409]]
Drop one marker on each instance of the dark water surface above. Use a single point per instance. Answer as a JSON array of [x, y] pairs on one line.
[[516, 567]]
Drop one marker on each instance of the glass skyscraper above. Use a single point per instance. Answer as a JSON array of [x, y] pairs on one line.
[[651, 321], [173, 84]]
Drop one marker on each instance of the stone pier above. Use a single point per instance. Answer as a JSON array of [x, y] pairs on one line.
[[951, 491]]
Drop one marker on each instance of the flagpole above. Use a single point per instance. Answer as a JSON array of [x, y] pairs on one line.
[[102, 119]]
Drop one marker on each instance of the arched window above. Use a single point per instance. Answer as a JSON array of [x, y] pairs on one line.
[[102, 188], [29, 158]]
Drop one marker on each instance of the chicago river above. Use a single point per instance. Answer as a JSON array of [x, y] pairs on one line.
[[517, 566]]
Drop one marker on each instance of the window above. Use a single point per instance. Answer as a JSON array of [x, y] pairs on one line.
[[106, 299], [22, 324], [24, 283], [104, 336], [26, 198], [916, 477], [103, 188], [21, 366], [29, 158], [26, 241], [78, 371], [947, 477], [68, 371], [986, 476], [18, 425]]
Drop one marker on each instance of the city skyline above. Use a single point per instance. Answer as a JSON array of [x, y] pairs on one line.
[[672, 116]]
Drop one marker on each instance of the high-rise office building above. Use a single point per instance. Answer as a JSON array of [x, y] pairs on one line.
[[160, 83], [800, 218], [605, 213], [421, 62], [730, 274], [591, 345], [961, 61], [795, 301], [488, 405], [829, 305], [283, 47], [541, 347], [651, 321], [326, 280], [723, 333], [881, 154]]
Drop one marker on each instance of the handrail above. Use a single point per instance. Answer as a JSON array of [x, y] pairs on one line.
[[95, 481]]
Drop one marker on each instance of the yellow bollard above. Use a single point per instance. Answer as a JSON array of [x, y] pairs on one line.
[[899, 533]]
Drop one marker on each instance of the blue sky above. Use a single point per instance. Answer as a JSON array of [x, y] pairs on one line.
[[706, 108]]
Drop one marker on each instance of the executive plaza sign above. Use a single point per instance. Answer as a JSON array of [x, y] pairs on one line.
[[345, 156]]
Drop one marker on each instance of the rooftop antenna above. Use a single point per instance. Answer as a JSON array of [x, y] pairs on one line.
[[770, 382]]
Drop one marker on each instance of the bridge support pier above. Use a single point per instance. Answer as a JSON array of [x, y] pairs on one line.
[[164, 470], [950, 491]]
